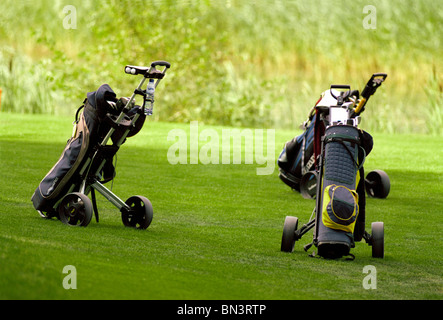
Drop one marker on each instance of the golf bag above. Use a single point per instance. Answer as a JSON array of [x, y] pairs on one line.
[[342, 202], [297, 157], [334, 174], [86, 162], [88, 129]]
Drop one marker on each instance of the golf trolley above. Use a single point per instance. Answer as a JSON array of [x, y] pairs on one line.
[[87, 160], [334, 174]]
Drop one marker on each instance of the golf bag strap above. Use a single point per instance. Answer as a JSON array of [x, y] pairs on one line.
[[319, 131], [302, 167], [78, 112]]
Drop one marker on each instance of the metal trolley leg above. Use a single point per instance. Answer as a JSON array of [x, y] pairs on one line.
[[116, 201]]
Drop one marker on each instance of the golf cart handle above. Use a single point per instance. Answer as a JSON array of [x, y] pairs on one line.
[[149, 72], [161, 63], [370, 88], [381, 74], [372, 85], [347, 87], [340, 86]]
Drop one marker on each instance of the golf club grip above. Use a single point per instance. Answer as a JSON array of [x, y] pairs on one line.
[[360, 106], [161, 63]]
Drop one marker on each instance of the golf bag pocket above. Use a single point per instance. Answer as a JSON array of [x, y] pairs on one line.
[[59, 176], [340, 208]]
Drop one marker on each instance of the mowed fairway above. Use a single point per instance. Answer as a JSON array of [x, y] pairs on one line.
[[216, 230]]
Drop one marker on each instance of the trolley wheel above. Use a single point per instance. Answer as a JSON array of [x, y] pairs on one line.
[[288, 237], [140, 213], [378, 239], [308, 185], [75, 209], [377, 184]]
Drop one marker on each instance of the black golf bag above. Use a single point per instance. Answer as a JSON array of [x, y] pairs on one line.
[[86, 162], [84, 140], [326, 163], [297, 157], [341, 203]]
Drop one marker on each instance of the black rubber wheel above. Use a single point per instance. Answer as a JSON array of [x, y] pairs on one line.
[[288, 237], [378, 240], [377, 184], [75, 209], [140, 213]]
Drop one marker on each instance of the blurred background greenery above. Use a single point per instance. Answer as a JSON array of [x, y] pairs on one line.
[[259, 63]]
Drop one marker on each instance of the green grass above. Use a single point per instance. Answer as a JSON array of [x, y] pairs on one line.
[[217, 228]]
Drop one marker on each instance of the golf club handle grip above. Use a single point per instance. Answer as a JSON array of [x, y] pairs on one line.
[[360, 106]]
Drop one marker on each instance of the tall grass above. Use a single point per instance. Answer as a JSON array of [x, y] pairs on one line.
[[26, 89], [434, 92], [256, 63]]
